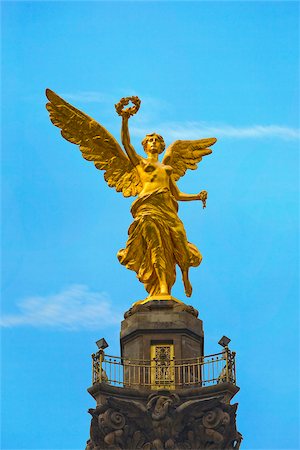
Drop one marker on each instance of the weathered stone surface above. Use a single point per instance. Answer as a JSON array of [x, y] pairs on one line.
[[102, 391], [149, 418], [162, 321], [161, 420]]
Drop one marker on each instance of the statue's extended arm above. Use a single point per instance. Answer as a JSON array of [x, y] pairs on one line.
[[181, 196], [133, 156]]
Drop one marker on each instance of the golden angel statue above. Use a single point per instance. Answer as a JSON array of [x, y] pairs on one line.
[[157, 240]]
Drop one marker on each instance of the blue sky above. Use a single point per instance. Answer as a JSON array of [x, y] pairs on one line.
[[201, 69]]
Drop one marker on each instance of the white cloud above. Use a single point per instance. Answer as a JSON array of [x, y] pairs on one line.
[[197, 130], [145, 123], [148, 102], [87, 97], [74, 308]]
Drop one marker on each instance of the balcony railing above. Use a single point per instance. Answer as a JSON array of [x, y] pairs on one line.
[[173, 374]]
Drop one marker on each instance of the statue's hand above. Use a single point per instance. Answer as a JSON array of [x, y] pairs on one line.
[[131, 110], [203, 197]]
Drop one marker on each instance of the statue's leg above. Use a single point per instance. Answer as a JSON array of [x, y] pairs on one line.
[[182, 255], [156, 247], [183, 258], [186, 282], [194, 260], [162, 279]]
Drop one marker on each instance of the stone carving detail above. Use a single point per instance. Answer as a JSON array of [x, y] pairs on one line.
[[164, 422]]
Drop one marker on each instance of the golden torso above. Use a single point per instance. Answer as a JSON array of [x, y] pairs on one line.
[[153, 176]]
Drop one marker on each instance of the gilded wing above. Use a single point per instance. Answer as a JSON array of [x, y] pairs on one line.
[[183, 155], [95, 143]]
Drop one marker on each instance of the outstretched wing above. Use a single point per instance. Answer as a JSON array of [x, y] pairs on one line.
[[183, 155], [95, 143], [193, 409], [135, 411]]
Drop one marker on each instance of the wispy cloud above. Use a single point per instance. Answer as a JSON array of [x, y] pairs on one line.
[[87, 97], [152, 107], [74, 308], [196, 130], [148, 102]]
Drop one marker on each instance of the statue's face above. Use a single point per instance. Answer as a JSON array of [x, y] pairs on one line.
[[153, 145]]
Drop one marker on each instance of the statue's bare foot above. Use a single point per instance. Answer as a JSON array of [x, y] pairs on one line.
[[187, 285], [188, 289]]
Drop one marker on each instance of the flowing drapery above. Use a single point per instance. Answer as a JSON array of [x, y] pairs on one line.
[[157, 241]]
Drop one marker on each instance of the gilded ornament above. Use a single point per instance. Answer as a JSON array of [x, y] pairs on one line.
[[157, 240]]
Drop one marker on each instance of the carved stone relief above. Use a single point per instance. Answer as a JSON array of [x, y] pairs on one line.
[[164, 422]]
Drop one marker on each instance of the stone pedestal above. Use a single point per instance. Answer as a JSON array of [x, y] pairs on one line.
[[162, 322], [183, 413]]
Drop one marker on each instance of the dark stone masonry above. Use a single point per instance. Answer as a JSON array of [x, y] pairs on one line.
[[165, 400]]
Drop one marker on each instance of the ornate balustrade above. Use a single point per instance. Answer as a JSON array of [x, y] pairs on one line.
[[164, 374]]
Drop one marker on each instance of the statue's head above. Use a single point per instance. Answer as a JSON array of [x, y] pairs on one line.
[[153, 143]]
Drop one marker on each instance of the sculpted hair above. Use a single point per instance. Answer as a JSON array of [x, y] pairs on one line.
[[160, 138]]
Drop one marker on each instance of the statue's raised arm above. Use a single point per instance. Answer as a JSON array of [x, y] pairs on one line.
[[96, 144], [125, 113]]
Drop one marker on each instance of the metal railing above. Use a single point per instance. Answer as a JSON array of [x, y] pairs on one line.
[[173, 374]]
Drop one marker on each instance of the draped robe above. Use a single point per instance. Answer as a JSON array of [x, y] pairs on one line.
[[157, 239]]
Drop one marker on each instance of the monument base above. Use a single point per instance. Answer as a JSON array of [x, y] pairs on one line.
[[163, 393], [197, 418]]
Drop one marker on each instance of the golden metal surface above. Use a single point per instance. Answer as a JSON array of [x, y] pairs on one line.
[[162, 366], [157, 241], [174, 374], [162, 297]]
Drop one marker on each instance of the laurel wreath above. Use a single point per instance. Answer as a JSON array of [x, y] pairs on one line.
[[130, 111]]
